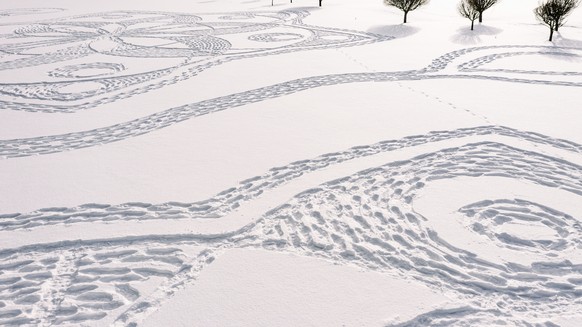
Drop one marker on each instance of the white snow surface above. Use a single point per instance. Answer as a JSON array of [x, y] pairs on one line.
[[233, 163]]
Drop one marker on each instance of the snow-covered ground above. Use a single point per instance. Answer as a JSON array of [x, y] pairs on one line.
[[233, 163]]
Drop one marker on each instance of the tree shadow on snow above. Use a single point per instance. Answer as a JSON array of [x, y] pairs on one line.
[[464, 35], [306, 8], [561, 41], [398, 31], [268, 5], [284, 3]]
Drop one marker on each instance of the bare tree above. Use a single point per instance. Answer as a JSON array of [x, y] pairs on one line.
[[481, 6], [406, 5], [553, 13], [566, 6], [468, 11]]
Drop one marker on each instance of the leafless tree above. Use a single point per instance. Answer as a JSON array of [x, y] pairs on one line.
[[481, 6], [553, 13], [406, 5], [468, 11]]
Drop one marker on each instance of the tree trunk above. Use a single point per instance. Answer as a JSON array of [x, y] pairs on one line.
[[405, 15], [551, 33], [320, 2], [472, 24], [480, 17]]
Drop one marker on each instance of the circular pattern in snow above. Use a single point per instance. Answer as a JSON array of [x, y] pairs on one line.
[[207, 44], [524, 225]]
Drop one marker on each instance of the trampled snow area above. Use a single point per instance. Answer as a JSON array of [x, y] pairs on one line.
[[233, 163]]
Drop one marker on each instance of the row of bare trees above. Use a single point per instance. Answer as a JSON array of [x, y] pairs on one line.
[[552, 13], [471, 9]]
